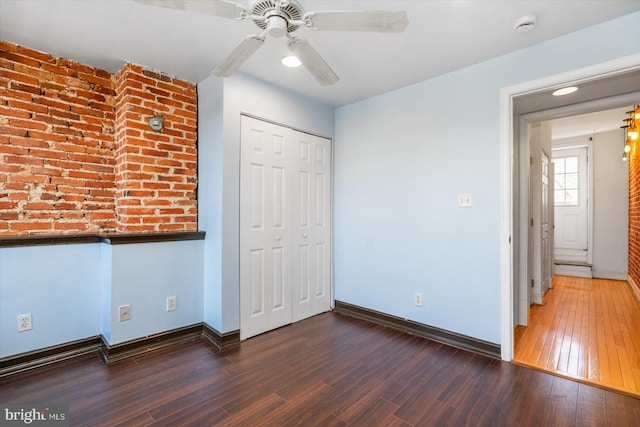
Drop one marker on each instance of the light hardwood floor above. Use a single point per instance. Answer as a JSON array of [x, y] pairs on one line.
[[588, 330]]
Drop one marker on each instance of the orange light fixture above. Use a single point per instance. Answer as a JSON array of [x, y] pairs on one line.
[[632, 127]]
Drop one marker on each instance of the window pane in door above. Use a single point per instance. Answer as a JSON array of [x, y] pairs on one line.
[[571, 164], [571, 181], [571, 197], [566, 181]]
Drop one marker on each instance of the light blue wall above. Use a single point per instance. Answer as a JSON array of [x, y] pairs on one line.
[[144, 275], [210, 166], [60, 287], [105, 291], [240, 94], [73, 291], [402, 158]]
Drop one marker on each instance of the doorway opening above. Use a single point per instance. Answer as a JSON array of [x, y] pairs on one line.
[[516, 157], [572, 326], [611, 84]]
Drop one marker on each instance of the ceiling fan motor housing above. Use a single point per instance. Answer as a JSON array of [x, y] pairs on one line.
[[277, 25]]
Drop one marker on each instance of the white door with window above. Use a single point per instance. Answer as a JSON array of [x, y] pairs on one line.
[[285, 226], [571, 205]]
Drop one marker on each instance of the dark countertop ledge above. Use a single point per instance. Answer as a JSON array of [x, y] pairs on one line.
[[108, 238]]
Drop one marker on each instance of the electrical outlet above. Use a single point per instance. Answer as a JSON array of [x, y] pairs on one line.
[[171, 303], [418, 299], [124, 313], [24, 322]]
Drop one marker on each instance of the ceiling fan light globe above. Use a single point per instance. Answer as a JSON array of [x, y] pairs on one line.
[[291, 61], [277, 26]]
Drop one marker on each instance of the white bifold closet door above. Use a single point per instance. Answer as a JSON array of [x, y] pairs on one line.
[[285, 226]]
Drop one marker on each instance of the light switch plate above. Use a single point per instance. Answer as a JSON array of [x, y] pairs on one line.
[[465, 200]]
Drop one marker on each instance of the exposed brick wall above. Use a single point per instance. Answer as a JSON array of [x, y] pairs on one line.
[[77, 156], [634, 212], [56, 144], [156, 172]]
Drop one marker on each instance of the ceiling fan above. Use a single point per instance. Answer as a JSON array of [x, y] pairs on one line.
[[280, 18]]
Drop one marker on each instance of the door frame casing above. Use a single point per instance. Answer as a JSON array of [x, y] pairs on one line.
[[511, 250]]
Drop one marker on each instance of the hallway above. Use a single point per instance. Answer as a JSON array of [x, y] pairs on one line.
[[587, 330]]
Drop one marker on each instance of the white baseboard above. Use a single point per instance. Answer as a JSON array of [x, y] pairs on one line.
[[573, 271], [634, 288], [609, 274], [537, 298]]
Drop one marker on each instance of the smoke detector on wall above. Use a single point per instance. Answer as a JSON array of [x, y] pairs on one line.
[[525, 23]]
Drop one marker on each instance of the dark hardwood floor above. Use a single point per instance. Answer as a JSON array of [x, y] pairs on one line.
[[330, 370]]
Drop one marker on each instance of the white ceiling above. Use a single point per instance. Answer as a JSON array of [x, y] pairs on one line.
[[442, 36], [589, 124]]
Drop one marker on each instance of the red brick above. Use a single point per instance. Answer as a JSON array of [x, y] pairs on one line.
[[17, 186], [21, 59], [82, 127], [170, 194], [51, 88], [156, 76], [14, 94], [47, 154], [46, 171], [7, 168], [154, 153], [168, 162], [170, 147], [20, 114], [25, 88], [64, 113], [48, 119], [42, 57], [36, 206], [26, 105], [29, 178], [9, 216], [19, 77], [8, 205], [175, 227], [155, 219], [66, 226]]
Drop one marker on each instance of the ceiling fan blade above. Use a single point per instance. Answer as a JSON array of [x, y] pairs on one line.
[[221, 8], [367, 20], [313, 62], [237, 56]]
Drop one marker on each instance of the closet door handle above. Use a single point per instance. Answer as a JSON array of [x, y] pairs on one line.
[[278, 238]]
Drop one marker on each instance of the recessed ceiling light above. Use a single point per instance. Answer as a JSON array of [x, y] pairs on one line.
[[565, 91], [291, 61]]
